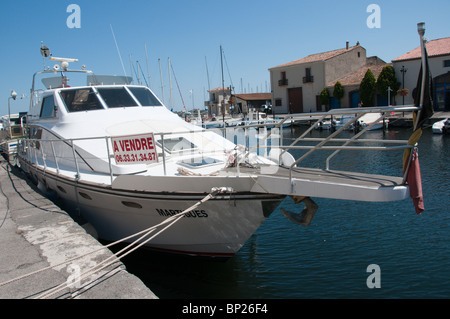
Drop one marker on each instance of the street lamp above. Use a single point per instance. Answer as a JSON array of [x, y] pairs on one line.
[[13, 96], [421, 31], [421, 28], [403, 70]]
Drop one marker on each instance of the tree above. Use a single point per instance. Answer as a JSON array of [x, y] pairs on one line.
[[387, 80], [338, 91], [324, 98], [367, 88]]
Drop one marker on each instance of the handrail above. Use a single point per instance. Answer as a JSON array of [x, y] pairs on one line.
[[320, 145], [32, 90], [354, 138], [70, 143]]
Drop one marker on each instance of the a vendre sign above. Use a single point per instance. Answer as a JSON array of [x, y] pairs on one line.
[[134, 149]]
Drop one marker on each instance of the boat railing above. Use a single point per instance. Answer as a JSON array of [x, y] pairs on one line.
[[29, 147], [258, 144], [321, 116]]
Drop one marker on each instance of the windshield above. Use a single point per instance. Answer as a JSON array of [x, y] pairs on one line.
[[144, 96], [81, 100], [116, 97], [86, 99]]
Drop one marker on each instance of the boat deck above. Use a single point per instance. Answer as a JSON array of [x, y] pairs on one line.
[[328, 183]]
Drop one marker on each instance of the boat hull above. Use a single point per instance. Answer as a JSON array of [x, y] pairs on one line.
[[218, 227]]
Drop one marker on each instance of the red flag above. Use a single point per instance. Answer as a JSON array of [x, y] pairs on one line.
[[414, 180]]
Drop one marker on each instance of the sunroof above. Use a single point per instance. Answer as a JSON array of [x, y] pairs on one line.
[[199, 162]]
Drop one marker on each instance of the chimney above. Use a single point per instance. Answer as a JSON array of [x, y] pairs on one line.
[[346, 45]]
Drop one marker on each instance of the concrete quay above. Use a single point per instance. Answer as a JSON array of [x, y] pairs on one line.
[[35, 234]]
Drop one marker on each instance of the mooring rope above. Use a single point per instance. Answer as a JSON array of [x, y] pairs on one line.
[[115, 257]]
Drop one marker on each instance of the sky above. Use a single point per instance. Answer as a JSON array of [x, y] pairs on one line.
[[255, 35]]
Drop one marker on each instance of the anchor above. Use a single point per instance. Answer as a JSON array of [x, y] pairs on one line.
[[305, 217]]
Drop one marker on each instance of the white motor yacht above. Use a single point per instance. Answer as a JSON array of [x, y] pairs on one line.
[[129, 164]]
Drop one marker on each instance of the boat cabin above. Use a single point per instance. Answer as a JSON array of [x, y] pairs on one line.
[[91, 98]]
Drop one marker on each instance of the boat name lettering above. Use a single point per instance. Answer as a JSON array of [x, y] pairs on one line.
[[171, 212], [134, 149]]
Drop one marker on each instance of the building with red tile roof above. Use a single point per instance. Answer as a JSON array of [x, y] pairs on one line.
[[407, 67], [296, 85], [435, 48]]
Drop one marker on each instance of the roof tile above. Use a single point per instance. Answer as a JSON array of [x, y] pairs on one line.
[[356, 77], [434, 48], [254, 96], [318, 57]]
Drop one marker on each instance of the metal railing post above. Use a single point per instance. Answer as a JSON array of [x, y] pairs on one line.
[[54, 156], [109, 160], [43, 157], [163, 154], [77, 176]]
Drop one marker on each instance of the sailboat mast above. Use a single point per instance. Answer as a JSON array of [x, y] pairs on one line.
[[131, 68], [207, 74], [170, 85], [137, 74], [223, 87], [148, 70], [160, 75]]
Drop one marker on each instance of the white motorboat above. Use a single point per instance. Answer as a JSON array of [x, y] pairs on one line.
[[212, 122], [439, 126], [261, 118], [370, 120], [129, 164]]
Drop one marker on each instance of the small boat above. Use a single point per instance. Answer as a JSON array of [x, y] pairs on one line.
[[441, 127], [129, 164], [261, 118], [10, 133], [371, 121]]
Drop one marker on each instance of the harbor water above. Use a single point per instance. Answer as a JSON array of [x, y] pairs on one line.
[[331, 257]]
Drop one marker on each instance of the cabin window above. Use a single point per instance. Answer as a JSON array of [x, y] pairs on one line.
[[80, 100], [177, 144], [144, 96], [116, 97], [48, 107]]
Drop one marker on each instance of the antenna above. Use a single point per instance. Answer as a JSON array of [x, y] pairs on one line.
[[64, 62], [117, 47]]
